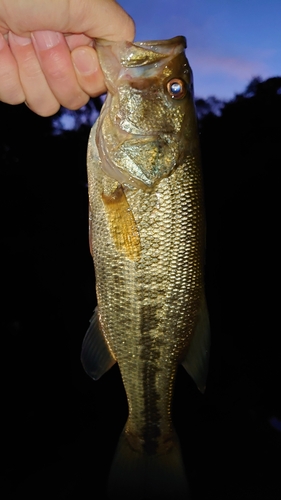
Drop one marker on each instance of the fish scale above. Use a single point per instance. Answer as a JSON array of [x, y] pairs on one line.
[[148, 301], [147, 236]]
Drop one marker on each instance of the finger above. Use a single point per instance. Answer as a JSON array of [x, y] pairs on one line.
[[55, 61], [38, 94], [95, 18], [88, 71], [11, 90], [74, 41], [102, 19]]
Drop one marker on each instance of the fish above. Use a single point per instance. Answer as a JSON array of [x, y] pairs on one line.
[[147, 239]]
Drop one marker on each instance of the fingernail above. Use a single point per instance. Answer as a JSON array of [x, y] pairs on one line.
[[84, 62], [20, 40], [46, 39]]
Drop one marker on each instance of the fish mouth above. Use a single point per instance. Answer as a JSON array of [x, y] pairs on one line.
[[135, 56]]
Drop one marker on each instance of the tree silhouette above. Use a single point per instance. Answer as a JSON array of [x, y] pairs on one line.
[[47, 290], [241, 161], [74, 120]]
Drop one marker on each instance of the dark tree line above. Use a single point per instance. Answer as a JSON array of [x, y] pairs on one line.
[[47, 290]]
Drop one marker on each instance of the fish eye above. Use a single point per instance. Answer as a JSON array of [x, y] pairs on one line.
[[177, 88]]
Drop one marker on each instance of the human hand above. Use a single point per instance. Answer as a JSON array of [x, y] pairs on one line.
[[47, 55]]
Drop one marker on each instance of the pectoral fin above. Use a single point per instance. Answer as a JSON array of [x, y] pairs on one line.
[[95, 356], [197, 358], [122, 224]]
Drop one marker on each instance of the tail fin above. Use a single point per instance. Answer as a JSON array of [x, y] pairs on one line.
[[147, 477]]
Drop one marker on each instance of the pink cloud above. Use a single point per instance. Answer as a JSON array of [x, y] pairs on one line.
[[237, 67]]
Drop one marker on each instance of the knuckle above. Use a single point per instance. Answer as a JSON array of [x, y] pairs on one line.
[[45, 110], [76, 102], [42, 105], [56, 67], [11, 92]]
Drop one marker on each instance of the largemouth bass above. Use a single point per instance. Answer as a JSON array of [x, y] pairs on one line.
[[147, 236]]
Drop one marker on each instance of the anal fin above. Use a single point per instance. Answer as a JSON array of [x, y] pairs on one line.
[[196, 361], [96, 357]]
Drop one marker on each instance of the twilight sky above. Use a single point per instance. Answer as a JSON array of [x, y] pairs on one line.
[[229, 41]]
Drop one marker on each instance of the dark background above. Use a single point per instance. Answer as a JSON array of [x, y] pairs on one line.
[[59, 428]]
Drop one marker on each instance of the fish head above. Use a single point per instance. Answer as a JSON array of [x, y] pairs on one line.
[[148, 123]]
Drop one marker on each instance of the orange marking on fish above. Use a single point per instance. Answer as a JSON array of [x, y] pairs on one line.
[[122, 224]]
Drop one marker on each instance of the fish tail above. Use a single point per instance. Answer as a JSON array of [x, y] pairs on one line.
[[143, 476]]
